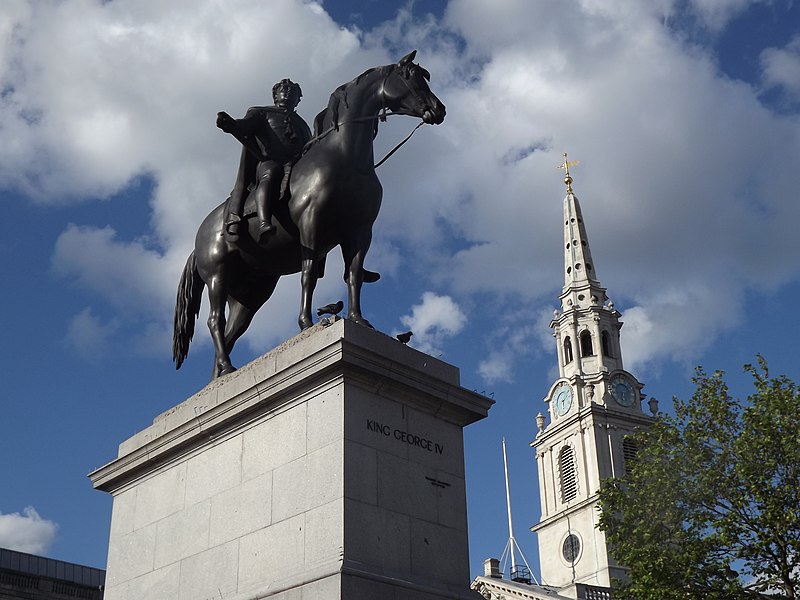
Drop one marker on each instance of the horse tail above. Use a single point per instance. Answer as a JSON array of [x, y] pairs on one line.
[[187, 307]]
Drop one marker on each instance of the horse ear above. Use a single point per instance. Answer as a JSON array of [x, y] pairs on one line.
[[407, 58]]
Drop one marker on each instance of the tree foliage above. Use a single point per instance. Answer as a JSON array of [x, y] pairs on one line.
[[711, 507]]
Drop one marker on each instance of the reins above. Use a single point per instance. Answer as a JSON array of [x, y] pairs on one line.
[[382, 116], [396, 148]]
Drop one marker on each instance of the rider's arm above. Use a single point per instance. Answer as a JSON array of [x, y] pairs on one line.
[[244, 131]]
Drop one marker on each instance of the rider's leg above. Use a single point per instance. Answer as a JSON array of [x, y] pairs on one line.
[[270, 175], [235, 204]]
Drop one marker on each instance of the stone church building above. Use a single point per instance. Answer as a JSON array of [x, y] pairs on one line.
[[591, 408]]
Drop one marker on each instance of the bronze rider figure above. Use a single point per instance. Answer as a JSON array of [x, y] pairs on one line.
[[272, 139]]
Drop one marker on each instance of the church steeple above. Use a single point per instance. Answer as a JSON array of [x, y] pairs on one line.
[[587, 325], [592, 406], [578, 263]]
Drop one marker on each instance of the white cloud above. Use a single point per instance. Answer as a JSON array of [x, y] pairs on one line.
[[134, 89], [668, 180], [109, 105], [433, 321], [89, 335], [27, 532], [676, 324], [496, 368], [715, 14], [673, 180], [130, 275], [781, 67], [512, 343]]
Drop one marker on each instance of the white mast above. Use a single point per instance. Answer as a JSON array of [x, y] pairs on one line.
[[511, 540], [519, 574]]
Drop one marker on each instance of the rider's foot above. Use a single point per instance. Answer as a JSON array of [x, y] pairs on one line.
[[265, 230], [232, 226]]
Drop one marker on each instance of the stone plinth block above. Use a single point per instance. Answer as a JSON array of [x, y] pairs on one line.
[[331, 467]]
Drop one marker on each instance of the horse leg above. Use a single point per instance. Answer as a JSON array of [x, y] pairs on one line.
[[354, 268], [217, 297], [308, 281], [243, 308], [239, 319]]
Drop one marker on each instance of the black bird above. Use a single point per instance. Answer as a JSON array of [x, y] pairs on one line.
[[331, 309], [404, 337]]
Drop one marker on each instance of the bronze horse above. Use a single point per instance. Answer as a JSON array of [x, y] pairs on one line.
[[334, 201]]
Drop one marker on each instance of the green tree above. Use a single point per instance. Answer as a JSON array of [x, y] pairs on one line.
[[711, 507]]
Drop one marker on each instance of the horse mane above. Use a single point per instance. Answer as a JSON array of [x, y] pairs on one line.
[[329, 116]]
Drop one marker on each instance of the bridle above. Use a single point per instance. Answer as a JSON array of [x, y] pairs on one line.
[[382, 115]]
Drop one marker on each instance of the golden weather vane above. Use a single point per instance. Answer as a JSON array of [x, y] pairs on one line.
[[565, 166]]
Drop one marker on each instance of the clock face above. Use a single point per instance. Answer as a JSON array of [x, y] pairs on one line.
[[622, 391], [563, 400]]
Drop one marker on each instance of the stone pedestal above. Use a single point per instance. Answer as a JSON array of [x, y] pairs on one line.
[[331, 467]]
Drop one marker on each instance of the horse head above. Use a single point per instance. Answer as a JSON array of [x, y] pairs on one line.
[[406, 91]]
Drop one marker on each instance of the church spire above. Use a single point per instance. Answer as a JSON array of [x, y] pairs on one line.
[[578, 264], [587, 321]]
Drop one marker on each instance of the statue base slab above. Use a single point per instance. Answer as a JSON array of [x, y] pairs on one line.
[[331, 467]]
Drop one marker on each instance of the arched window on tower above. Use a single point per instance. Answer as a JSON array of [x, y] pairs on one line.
[[586, 344], [567, 350], [605, 340], [629, 450], [567, 474]]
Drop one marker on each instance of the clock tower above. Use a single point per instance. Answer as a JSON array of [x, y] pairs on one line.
[[591, 408]]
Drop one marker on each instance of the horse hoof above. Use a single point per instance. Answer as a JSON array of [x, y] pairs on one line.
[[227, 370], [361, 321]]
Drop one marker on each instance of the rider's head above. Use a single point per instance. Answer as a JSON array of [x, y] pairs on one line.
[[286, 93]]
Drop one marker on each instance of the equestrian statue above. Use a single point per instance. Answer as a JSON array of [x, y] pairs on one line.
[[295, 198]]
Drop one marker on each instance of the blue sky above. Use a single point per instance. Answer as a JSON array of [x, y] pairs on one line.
[[685, 116]]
